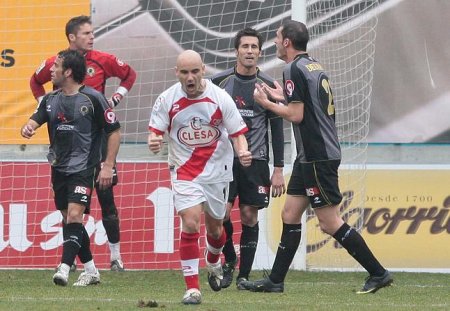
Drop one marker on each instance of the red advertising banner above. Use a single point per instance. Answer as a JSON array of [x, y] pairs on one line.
[[402, 213], [31, 233]]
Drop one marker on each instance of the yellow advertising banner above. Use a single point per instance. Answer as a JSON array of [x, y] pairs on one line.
[[30, 32], [405, 219]]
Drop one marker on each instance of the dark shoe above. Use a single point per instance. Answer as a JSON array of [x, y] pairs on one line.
[[117, 265], [374, 283], [228, 270], [264, 285], [240, 284], [215, 275]]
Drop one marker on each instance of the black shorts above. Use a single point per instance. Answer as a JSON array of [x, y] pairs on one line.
[[251, 184], [73, 188], [317, 180]]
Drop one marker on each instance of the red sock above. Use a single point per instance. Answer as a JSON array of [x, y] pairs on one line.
[[215, 247], [189, 255]]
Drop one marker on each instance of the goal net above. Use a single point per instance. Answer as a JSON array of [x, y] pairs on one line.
[[149, 35], [343, 40]]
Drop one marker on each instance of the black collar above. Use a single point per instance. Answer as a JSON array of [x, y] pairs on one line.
[[303, 54]]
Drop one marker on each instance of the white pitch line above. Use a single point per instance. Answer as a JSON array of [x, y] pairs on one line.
[[69, 299], [346, 283]]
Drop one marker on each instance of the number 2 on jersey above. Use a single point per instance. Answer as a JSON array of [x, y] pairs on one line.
[[327, 89]]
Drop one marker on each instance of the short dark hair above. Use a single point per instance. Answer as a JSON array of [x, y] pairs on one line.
[[248, 32], [75, 61], [297, 33], [73, 25]]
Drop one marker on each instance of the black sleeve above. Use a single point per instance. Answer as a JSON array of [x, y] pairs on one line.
[[216, 80], [104, 114], [301, 83], [40, 115], [277, 132]]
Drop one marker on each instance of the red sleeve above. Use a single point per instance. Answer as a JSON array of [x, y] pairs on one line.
[[155, 130], [115, 67], [41, 77], [128, 82], [241, 132]]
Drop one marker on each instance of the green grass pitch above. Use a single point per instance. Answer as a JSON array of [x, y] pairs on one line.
[[34, 290]]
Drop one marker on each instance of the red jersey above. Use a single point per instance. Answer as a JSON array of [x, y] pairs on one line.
[[100, 66]]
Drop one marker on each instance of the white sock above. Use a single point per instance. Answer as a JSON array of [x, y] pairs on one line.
[[115, 251], [89, 267], [64, 268]]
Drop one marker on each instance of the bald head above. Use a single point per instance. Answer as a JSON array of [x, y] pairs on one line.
[[189, 57], [190, 71]]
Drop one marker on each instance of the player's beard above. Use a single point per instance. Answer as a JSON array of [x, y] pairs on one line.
[[56, 83]]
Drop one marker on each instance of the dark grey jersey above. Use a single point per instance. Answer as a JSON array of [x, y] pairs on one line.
[[75, 125], [241, 89], [316, 136]]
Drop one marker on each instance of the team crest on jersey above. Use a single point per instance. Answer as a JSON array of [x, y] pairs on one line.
[[90, 71], [198, 134], [84, 110], [289, 87]]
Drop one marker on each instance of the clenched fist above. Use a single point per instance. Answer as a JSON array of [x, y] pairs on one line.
[[155, 143], [245, 157]]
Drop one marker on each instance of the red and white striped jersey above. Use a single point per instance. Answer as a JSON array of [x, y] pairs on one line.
[[198, 131]]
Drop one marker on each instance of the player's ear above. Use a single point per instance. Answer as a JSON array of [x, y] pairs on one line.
[[285, 42], [72, 37], [68, 72]]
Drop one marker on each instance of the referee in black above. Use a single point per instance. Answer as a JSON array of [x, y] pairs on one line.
[[314, 179], [75, 115]]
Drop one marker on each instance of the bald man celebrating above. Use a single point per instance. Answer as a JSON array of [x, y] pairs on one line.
[[199, 117]]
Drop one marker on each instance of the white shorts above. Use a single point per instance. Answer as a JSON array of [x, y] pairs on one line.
[[187, 194]]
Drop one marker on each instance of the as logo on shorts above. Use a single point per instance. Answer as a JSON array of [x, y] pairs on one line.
[[311, 192], [263, 190], [82, 190]]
